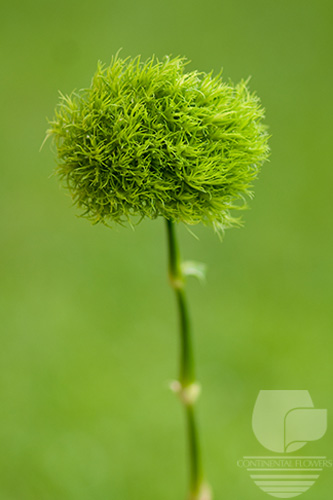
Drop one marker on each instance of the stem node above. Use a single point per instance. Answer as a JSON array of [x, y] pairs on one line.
[[176, 282], [188, 394], [205, 493]]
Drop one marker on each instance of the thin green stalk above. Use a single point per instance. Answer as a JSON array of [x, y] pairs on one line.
[[186, 386]]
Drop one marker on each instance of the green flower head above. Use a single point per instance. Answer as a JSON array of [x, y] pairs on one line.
[[149, 139]]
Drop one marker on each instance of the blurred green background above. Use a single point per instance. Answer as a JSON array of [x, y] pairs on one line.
[[88, 323]]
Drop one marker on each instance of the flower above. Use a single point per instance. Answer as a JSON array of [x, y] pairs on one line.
[[149, 139]]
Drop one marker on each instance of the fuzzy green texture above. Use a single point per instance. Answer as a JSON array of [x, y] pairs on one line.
[[150, 139]]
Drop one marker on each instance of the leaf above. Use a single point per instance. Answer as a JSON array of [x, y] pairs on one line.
[[196, 269]]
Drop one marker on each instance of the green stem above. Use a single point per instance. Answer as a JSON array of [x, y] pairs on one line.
[[187, 388]]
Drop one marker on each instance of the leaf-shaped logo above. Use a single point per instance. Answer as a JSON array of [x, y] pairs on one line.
[[284, 421]]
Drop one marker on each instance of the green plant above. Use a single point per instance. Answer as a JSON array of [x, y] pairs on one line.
[[148, 139]]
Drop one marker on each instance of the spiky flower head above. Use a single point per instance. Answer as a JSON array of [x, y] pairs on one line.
[[149, 139]]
